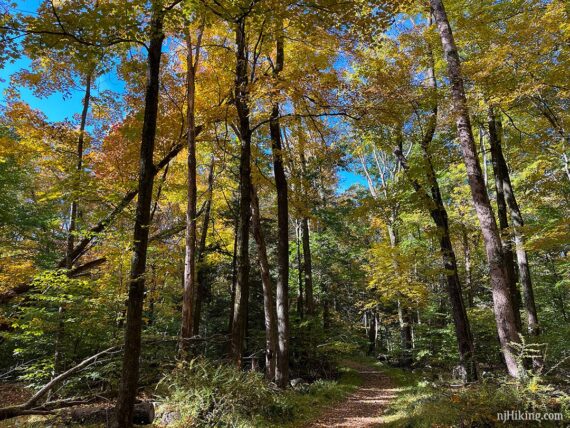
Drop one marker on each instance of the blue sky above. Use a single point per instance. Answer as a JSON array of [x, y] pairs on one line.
[[58, 108]]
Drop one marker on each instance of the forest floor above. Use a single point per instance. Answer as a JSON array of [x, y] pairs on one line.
[[366, 406]]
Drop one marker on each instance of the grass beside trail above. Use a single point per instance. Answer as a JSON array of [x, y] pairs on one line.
[[308, 402], [421, 403]]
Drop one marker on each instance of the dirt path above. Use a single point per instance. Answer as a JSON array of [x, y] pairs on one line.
[[364, 408]]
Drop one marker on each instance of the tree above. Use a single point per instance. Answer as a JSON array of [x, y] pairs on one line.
[[282, 295], [133, 325], [191, 284], [502, 301]]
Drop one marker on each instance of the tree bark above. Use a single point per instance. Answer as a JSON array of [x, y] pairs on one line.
[[404, 320], [439, 215], [78, 169], [202, 286], [468, 273], [502, 215], [132, 350], [404, 316], [300, 298], [372, 329], [502, 302], [242, 284], [268, 302], [282, 290], [307, 266], [518, 224], [190, 293]]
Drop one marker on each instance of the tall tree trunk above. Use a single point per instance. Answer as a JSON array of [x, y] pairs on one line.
[[282, 291], [202, 286], [78, 169], [307, 267], [404, 315], [234, 275], [503, 216], [242, 283], [502, 302], [372, 330], [72, 228], [484, 156], [190, 293], [405, 321], [460, 319], [133, 327], [268, 302], [468, 272], [439, 216], [518, 223], [300, 299]]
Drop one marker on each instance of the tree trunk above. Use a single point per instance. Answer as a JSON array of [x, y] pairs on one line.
[[502, 302], [468, 273], [518, 223], [202, 286], [242, 283], [404, 316], [439, 215], [282, 291], [60, 333], [132, 350], [307, 267], [78, 169], [234, 275], [404, 320], [372, 329], [460, 319], [190, 268], [503, 218], [300, 299], [268, 302]]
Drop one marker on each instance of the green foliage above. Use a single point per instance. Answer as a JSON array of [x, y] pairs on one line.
[[82, 318], [422, 403], [210, 393], [316, 353], [207, 394]]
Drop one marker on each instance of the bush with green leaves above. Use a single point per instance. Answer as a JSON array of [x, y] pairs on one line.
[[217, 394]]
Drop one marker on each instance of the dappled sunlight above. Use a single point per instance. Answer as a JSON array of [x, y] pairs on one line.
[[365, 407]]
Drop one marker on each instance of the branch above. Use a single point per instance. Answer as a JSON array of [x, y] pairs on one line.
[[297, 115], [28, 407]]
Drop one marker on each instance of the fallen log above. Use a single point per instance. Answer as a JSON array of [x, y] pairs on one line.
[[143, 414]]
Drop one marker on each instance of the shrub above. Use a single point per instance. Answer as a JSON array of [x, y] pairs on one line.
[[210, 394]]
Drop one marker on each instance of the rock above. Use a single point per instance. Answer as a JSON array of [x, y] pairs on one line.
[[459, 373], [383, 358], [297, 382], [169, 417]]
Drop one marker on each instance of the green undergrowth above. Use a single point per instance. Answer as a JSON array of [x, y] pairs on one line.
[[422, 403], [207, 393]]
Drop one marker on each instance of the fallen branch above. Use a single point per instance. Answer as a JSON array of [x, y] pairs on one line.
[[30, 408]]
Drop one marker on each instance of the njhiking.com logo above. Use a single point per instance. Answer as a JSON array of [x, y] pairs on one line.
[[518, 415]]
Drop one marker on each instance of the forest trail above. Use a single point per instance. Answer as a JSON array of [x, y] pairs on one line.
[[366, 406]]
